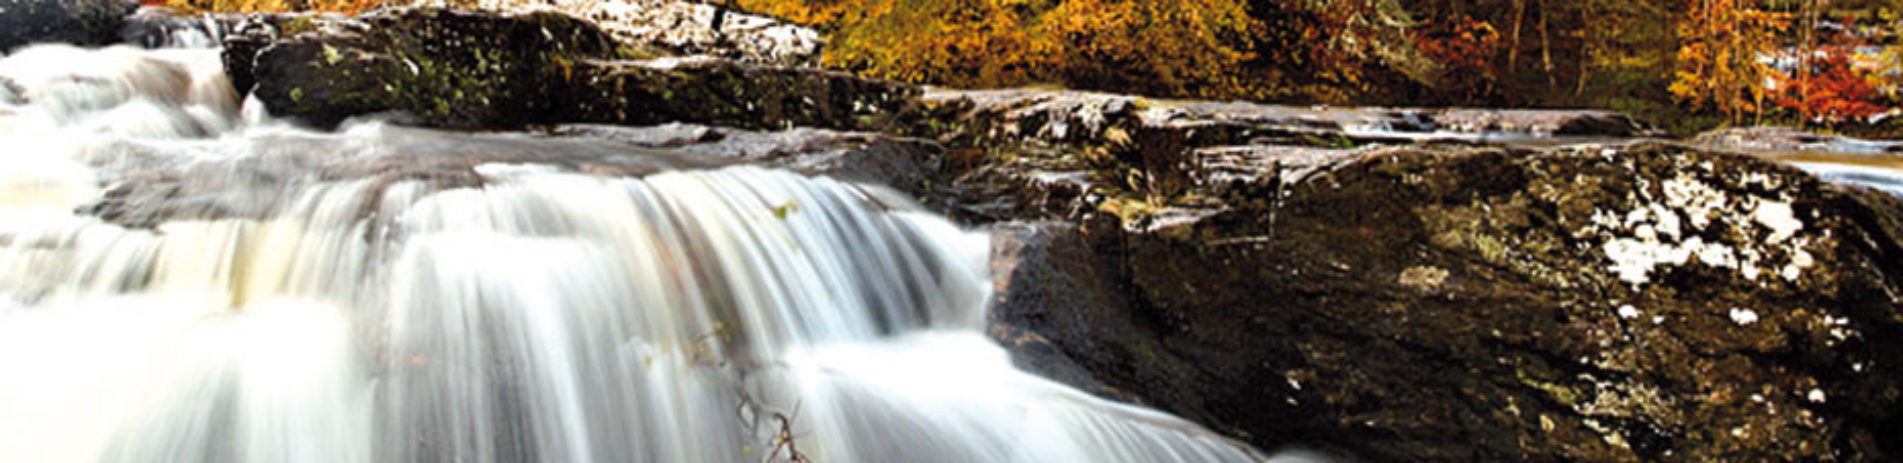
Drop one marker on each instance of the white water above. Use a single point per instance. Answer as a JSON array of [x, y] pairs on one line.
[[181, 280]]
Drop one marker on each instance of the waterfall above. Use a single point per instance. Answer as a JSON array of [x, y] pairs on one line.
[[183, 278]]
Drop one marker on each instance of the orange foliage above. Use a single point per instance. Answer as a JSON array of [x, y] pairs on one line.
[[1835, 91], [1464, 46], [1459, 43]]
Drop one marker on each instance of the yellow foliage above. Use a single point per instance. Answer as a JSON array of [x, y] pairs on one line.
[[263, 6], [1164, 47], [1719, 63]]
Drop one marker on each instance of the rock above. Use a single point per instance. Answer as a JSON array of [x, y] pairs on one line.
[[1085, 118], [1619, 303], [1788, 140], [903, 163], [462, 69], [1056, 286], [1542, 123], [151, 190], [731, 93], [77, 22], [150, 187], [684, 28], [445, 67], [159, 27], [10, 92], [670, 135], [1835, 158], [1151, 174]]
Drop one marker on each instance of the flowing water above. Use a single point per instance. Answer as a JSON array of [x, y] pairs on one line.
[[183, 278], [186, 279]]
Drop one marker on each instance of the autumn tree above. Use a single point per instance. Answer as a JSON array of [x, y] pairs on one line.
[[1160, 47], [974, 43], [1467, 48], [1835, 92], [1720, 63], [344, 6]]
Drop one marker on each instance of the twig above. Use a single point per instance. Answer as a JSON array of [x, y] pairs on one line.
[[784, 442]]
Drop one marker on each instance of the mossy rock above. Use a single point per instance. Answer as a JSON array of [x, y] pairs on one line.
[[1622, 303], [479, 70], [443, 67], [78, 22]]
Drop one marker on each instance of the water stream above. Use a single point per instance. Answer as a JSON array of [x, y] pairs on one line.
[[183, 278]]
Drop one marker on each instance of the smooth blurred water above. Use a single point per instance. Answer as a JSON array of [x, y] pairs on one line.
[[183, 279], [1887, 179]]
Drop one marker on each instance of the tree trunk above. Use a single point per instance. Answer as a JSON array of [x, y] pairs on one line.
[[1546, 49], [1513, 52], [1588, 41]]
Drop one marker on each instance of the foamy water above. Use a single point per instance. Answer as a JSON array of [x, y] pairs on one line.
[[182, 279]]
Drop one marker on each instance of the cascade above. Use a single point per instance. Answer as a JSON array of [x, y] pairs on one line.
[[184, 278]]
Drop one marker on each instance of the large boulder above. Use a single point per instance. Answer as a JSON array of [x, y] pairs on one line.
[[682, 27], [78, 22], [439, 66], [467, 69], [1621, 303]]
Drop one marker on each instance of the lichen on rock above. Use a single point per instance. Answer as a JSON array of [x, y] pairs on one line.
[[1450, 303], [472, 69]]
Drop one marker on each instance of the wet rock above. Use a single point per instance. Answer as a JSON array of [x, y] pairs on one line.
[[982, 186], [731, 93], [1873, 163], [1790, 140], [670, 135], [1222, 169], [158, 27], [685, 28], [445, 67], [10, 92], [78, 22], [150, 189], [462, 69], [1058, 292], [903, 163], [1148, 177], [1623, 303], [1543, 122], [1085, 118]]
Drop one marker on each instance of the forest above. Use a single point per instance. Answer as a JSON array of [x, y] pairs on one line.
[[1689, 65]]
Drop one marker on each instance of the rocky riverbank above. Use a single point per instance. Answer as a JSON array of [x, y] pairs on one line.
[[1386, 283]]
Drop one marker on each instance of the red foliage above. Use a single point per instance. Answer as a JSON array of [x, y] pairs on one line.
[[1835, 92], [1465, 46], [1463, 43]]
